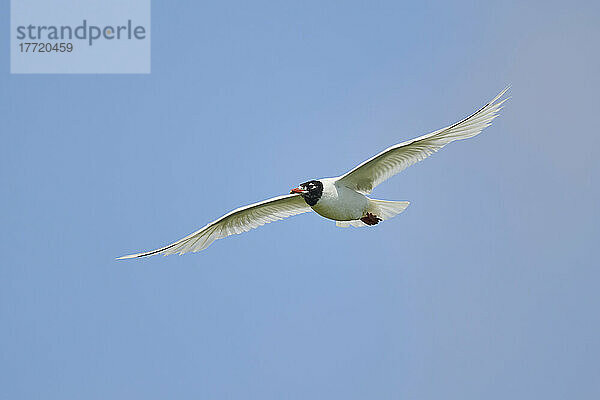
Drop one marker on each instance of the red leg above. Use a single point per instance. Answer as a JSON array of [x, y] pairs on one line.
[[370, 219]]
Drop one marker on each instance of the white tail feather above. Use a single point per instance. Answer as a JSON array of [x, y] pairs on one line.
[[347, 224], [383, 209]]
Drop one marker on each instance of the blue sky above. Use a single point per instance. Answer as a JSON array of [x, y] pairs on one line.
[[484, 288]]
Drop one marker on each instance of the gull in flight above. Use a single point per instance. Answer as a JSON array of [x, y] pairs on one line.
[[344, 198]]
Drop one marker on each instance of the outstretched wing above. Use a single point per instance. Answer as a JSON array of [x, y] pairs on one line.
[[238, 221], [401, 156]]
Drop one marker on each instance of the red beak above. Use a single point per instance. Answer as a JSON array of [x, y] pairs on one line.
[[296, 190]]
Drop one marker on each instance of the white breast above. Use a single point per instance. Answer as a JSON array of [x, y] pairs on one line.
[[340, 203]]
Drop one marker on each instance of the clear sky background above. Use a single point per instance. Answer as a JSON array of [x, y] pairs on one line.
[[485, 288]]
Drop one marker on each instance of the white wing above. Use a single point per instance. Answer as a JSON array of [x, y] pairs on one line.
[[238, 221], [401, 156]]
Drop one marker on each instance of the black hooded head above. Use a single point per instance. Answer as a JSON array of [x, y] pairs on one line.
[[310, 191]]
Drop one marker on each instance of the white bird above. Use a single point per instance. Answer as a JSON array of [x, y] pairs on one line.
[[342, 199]]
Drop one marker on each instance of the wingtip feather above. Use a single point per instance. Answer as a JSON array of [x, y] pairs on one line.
[[506, 89], [129, 256]]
